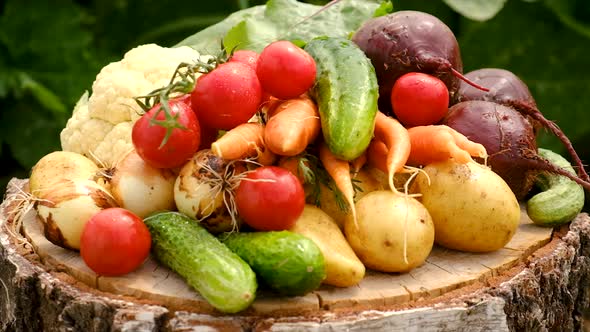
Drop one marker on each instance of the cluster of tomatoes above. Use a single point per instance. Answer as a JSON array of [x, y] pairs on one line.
[[223, 98], [268, 198]]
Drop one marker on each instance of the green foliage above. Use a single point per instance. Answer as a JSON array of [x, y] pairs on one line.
[[51, 51], [479, 10]]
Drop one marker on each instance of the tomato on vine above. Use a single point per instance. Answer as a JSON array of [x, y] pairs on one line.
[[227, 96], [167, 139], [285, 70], [247, 57]]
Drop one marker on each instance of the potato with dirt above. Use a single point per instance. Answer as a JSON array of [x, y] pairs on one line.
[[472, 208], [393, 232]]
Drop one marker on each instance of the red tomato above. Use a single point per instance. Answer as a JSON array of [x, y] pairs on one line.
[[245, 56], [419, 99], [114, 242], [270, 198], [285, 70], [181, 145], [227, 96]]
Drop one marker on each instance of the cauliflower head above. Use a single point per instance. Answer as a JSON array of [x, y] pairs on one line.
[[100, 125]]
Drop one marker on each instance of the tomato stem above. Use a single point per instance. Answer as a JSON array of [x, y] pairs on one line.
[[181, 83]]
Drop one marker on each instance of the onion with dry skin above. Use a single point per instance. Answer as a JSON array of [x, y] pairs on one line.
[[57, 166], [141, 188], [66, 208], [204, 191], [65, 195]]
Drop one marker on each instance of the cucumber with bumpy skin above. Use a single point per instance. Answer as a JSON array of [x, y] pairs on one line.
[[220, 276], [346, 92], [561, 199], [289, 263]]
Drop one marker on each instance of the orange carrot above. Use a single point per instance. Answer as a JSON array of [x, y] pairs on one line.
[[358, 163], [377, 155], [292, 125], [339, 170], [395, 137], [245, 140], [438, 143], [292, 165]]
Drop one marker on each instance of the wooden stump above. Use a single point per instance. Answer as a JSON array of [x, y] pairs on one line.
[[531, 285]]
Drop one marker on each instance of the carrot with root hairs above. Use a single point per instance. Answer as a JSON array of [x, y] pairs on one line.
[[339, 170], [244, 141], [397, 141], [291, 126], [438, 143]]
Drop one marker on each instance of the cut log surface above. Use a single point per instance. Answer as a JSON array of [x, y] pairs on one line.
[[538, 282]]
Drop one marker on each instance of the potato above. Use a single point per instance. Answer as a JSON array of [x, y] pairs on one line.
[[395, 233], [472, 208], [365, 182], [343, 267]]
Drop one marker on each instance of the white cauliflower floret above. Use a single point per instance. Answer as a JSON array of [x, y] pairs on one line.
[[100, 126], [142, 70], [116, 144], [82, 132]]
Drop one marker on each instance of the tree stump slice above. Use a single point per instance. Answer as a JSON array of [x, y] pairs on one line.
[[538, 282]]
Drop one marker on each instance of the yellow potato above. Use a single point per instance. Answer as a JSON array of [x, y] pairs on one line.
[[343, 268], [365, 182], [395, 233], [473, 208]]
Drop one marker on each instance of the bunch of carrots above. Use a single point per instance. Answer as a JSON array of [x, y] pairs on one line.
[[287, 128]]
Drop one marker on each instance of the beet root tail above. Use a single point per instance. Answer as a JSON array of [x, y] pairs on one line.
[[468, 81], [534, 113]]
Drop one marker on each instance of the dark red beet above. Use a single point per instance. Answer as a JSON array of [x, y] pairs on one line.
[[508, 89], [509, 140], [504, 87], [410, 41]]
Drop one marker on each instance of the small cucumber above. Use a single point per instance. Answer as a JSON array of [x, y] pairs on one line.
[[346, 92], [288, 263], [561, 199], [220, 276]]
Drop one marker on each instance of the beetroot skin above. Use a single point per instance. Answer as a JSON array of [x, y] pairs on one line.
[[409, 41], [509, 140], [508, 89]]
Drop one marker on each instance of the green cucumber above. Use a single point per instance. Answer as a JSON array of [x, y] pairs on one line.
[[288, 263], [560, 199], [220, 276], [346, 92]]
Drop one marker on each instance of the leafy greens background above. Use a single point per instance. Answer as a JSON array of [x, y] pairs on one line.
[[50, 52]]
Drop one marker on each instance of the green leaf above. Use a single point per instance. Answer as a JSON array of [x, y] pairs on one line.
[[385, 8], [29, 131], [250, 34], [478, 10], [573, 13], [548, 56], [43, 95], [208, 40], [48, 42], [257, 26]]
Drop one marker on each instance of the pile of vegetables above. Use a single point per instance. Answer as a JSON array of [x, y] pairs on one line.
[[307, 159]]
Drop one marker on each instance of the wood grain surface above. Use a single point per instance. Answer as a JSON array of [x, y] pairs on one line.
[[444, 270]]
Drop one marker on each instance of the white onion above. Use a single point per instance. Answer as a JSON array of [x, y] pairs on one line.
[[204, 191], [57, 166], [140, 188], [67, 206]]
